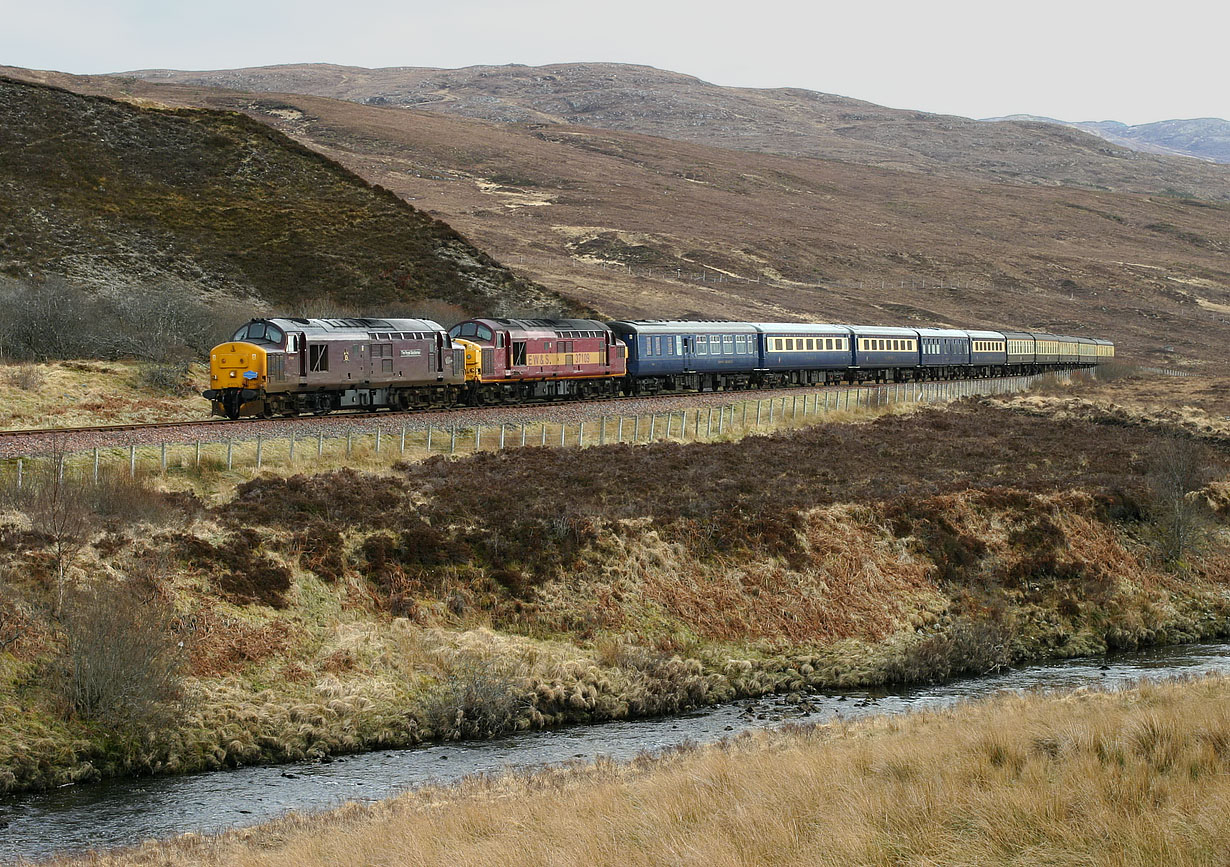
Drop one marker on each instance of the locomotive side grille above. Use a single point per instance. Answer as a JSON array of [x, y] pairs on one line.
[[277, 372], [488, 361]]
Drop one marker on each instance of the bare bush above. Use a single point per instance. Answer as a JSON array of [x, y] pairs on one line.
[[56, 320], [25, 376], [1180, 522], [121, 662]]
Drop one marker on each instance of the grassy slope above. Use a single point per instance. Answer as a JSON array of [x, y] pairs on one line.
[[118, 196], [1138, 776], [71, 393], [354, 610]]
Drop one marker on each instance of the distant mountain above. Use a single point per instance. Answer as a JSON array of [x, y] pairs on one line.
[[1206, 138], [792, 122], [115, 196]]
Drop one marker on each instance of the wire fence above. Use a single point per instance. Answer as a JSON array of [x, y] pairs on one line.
[[369, 446]]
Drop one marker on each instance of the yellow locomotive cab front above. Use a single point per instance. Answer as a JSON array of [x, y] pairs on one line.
[[238, 374]]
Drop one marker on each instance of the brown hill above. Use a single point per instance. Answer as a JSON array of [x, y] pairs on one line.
[[788, 121], [115, 197], [641, 226]]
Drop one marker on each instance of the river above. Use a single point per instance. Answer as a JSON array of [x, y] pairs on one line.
[[124, 812]]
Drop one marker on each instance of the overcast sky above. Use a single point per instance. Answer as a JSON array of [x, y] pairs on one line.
[[1069, 59]]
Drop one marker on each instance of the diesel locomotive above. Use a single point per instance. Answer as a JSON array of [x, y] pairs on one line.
[[293, 366]]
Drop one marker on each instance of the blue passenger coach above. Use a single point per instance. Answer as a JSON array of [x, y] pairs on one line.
[[676, 356], [799, 353], [883, 354]]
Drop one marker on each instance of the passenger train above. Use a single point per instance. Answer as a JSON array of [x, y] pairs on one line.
[[294, 366]]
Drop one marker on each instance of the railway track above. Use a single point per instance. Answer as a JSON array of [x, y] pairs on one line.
[[344, 417], [13, 442]]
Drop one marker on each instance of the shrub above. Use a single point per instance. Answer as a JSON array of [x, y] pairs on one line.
[[1179, 517], [475, 697], [173, 379], [121, 662], [25, 376]]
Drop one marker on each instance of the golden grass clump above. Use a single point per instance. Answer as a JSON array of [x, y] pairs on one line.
[[1138, 776]]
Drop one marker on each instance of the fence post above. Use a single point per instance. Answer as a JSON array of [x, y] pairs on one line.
[[653, 424], [320, 445], [501, 436], [759, 407], [670, 417], [429, 430], [377, 441], [745, 415], [96, 464], [452, 445], [602, 430], [544, 435], [291, 451], [772, 405], [19, 474], [349, 440], [403, 438], [522, 434], [581, 436], [478, 437], [230, 447], [132, 462], [198, 454], [636, 430], [162, 460], [721, 420], [563, 434], [619, 433], [709, 425]]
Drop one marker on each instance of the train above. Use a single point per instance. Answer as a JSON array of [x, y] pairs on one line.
[[295, 366]]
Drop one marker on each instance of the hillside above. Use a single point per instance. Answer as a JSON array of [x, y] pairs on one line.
[[787, 121], [117, 197], [634, 225], [1206, 138]]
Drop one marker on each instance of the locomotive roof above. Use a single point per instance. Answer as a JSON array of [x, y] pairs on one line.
[[350, 325], [545, 324]]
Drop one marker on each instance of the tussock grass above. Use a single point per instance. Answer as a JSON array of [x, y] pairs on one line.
[[1138, 776]]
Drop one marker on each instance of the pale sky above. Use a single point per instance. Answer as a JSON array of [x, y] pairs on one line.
[[1067, 59]]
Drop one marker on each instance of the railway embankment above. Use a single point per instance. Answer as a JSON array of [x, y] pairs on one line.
[[313, 615]]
